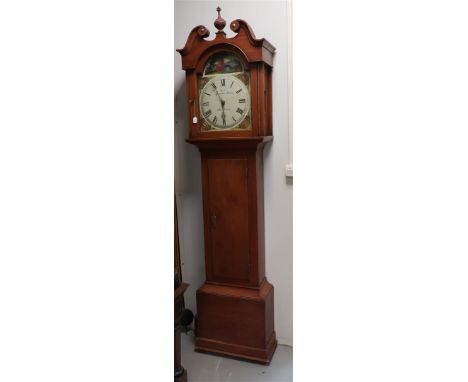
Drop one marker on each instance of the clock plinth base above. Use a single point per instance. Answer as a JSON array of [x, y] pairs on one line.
[[236, 322]]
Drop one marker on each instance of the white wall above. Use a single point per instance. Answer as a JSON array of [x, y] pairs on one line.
[[268, 19]]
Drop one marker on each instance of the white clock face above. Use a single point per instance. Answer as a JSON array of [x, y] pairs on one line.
[[224, 102]]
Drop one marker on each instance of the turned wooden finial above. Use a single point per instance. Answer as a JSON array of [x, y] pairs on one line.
[[219, 23]]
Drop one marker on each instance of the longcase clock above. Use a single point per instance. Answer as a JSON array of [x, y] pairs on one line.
[[229, 94]]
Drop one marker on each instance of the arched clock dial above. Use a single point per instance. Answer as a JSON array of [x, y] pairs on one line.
[[224, 102]]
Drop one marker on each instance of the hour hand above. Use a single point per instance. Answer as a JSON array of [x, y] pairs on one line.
[[220, 100]]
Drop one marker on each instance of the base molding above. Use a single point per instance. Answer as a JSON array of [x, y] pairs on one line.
[[238, 351]]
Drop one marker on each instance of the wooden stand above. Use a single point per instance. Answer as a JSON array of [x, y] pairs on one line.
[[180, 374]]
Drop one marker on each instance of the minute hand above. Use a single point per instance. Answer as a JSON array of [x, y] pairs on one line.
[[223, 114], [221, 100]]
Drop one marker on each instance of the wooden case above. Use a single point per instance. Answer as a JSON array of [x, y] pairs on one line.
[[235, 306]]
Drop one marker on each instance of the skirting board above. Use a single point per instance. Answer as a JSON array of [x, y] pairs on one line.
[[285, 341]]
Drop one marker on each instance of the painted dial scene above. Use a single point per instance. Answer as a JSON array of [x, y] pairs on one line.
[[224, 94]]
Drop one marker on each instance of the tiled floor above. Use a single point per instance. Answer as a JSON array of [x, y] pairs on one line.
[[203, 367]]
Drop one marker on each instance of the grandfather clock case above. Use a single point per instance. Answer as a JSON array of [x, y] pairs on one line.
[[229, 93]]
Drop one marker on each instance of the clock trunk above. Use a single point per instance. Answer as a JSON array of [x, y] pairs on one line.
[[235, 305]]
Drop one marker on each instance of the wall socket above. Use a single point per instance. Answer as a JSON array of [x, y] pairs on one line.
[[289, 170]]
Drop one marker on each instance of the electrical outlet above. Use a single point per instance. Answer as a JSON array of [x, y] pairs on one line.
[[289, 170]]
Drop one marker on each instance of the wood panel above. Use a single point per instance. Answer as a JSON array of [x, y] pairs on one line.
[[229, 223], [177, 262]]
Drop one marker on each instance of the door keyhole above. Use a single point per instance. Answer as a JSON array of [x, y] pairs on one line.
[[213, 219]]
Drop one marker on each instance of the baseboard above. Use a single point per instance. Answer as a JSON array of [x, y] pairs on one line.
[[261, 355], [285, 341]]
